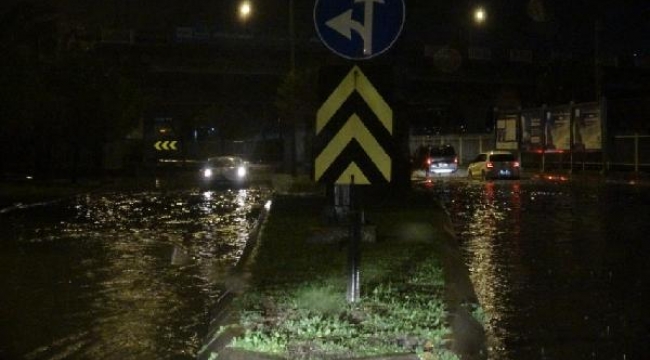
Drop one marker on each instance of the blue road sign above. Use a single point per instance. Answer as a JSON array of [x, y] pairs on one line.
[[359, 29]]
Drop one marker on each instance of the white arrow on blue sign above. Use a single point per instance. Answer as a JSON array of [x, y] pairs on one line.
[[359, 29]]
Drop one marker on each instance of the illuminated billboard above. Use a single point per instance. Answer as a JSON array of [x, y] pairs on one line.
[[506, 131], [558, 129], [571, 127], [532, 130], [587, 127]]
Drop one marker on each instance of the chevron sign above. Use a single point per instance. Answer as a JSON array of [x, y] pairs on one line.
[[355, 128], [165, 145]]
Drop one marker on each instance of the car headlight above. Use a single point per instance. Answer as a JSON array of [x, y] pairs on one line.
[[207, 173], [241, 172]]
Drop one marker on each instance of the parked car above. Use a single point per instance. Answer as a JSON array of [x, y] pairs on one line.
[[225, 170], [436, 159], [494, 165]]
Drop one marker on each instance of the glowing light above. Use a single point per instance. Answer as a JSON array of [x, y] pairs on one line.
[[241, 172], [480, 15], [245, 10]]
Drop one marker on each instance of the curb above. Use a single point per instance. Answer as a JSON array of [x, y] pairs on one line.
[[220, 313], [469, 339]]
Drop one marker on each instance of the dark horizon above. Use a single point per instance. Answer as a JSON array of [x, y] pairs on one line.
[[566, 25]]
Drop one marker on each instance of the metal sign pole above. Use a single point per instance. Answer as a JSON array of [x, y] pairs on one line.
[[354, 253], [334, 25]]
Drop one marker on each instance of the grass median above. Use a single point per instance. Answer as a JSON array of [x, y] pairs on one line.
[[295, 304]]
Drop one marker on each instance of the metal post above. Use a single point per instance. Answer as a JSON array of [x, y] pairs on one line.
[[636, 153], [292, 38], [460, 149], [354, 254], [605, 135], [342, 201], [571, 135]]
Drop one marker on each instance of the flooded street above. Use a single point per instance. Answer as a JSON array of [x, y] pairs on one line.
[[118, 276], [561, 268]]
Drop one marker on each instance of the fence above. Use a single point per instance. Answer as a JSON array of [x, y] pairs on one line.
[[630, 152], [623, 153]]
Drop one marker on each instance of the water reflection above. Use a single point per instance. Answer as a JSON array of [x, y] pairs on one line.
[[128, 276], [558, 267], [490, 216]]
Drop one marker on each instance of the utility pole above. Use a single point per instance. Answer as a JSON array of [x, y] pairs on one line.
[[598, 75], [292, 38]]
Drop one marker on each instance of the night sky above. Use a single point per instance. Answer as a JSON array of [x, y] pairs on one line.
[[562, 24]]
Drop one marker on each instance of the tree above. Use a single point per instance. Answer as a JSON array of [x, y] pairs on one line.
[[66, 100]]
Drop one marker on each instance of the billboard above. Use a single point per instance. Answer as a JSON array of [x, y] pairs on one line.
[[532, 130], [587, 127], [558, 129], [570, 127], [506, 131]]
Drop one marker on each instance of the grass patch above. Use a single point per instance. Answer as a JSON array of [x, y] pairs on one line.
[[295, 307]]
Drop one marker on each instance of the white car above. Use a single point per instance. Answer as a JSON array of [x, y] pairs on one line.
[[494, 165], [225, 170]]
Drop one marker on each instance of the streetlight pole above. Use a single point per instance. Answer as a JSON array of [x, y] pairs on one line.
[[598, 75], [292, 38], [293, 136]]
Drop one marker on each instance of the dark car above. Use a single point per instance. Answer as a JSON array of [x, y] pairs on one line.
[[436, 160], [225, 170]]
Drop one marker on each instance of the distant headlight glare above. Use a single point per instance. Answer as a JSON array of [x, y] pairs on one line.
[[241, 171], [207, 173]]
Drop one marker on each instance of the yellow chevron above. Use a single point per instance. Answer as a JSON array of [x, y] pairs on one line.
[[353, 170], [355, 80], [165, 145], [353, 129]]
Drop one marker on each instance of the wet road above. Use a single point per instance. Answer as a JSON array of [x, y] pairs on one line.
[[562, 269], [118, 276]]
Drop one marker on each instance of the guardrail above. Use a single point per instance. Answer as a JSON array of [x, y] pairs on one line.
[[630, 151]]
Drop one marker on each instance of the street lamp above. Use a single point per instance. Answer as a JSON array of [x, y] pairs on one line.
[[245, 10], [480, 15]]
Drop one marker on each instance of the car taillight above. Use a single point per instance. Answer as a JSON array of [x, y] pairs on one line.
[[515, 164], [456, 160], [489, 165], [429, 161]]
